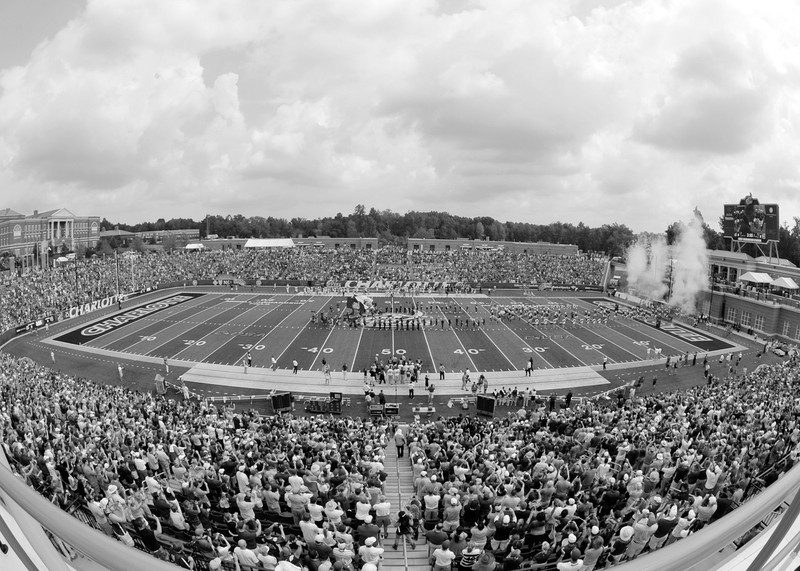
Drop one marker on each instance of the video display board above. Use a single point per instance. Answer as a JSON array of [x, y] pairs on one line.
[[750, 221]]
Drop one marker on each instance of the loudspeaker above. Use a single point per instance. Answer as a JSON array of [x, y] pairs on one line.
[[282, 403], [485, 405]]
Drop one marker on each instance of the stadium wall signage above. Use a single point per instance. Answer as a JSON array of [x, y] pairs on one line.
[[103, 326], [30, 326], [384, 285], [78, 310]]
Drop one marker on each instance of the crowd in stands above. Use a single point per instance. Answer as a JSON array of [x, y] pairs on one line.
[[29, 297], [489, 266], [580, 486]]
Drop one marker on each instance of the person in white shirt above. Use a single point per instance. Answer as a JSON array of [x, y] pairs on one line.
[[370, 553], [382, 514], [244, 555], [443, 557], [333, 512]]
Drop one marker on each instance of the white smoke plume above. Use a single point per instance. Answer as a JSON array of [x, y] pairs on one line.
[[690, 266], [647, 265]]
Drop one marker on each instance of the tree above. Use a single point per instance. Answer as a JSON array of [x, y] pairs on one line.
[[424, 233], [789, 243], [169, 243], [104, 248], [674, 232], [480, 233], [138, 245]]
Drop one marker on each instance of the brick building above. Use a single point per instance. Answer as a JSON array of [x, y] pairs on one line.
[[58, 230]]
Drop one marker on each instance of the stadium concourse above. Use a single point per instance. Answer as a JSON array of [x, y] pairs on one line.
[[546, 484]]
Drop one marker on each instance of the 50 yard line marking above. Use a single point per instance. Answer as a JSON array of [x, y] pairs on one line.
[[427, 343]]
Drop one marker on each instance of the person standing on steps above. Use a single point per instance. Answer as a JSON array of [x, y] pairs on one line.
[[412, 384], [383, 510], [431, 389], [404, 529], [441, 372], [294, 367], [400, 442]]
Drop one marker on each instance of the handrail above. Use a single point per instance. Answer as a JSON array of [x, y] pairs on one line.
[[697, 547], [111, 554]]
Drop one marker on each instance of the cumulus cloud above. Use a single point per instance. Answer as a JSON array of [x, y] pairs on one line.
[[523, 111]]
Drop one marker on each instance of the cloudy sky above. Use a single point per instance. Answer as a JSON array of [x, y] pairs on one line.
[[631, 112]]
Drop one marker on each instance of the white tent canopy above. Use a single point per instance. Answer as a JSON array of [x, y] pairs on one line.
[[195, 247], [756, 278], [269, 243], [786, 283]]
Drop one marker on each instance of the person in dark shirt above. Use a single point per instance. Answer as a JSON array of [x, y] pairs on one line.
[[472, 512], [368, 529], [145, 532], [161, 506], [191, 514]]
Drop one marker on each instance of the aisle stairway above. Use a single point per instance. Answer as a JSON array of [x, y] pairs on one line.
[[399, 490]]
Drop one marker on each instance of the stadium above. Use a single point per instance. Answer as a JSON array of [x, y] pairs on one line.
[[399, 286], [169, 415]]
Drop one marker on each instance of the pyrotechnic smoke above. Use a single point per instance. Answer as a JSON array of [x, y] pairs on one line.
[[690, 269], [647, 264]]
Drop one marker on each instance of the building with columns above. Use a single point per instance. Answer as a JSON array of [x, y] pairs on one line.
[[57, 229]]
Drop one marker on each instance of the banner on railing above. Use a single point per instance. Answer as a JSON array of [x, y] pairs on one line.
[[30, 326]]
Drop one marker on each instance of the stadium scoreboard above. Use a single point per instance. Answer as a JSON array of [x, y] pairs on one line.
[[750, 221]]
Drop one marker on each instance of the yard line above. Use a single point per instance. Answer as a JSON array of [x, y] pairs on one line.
[[210, 332], [185, 322], [358, 345], [474, 368], [298, 308], [510, 362], [427, 343], [147, 322], [643, 331], [533, 351], [609, 341], [554, 341], [273, 308], [333, 328]]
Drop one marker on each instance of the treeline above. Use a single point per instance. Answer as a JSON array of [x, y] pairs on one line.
[[394, 228]]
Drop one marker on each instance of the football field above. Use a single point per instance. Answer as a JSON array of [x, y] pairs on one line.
[[459, 332]]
